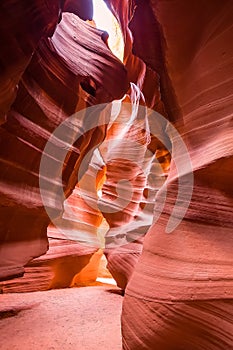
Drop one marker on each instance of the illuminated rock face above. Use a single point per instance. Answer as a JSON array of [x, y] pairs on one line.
[[183, 283], [187, 51], [61, 267], [52, 88], [200, 79]]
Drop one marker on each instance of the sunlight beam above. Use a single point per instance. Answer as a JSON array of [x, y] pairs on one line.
[[105, 20]]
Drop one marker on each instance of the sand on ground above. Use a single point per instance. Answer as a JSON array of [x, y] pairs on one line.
[[86, 318]]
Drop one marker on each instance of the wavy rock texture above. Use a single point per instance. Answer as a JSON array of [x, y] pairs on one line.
[[122, 168], [194, 262], [52, 88], [131, 224], [117, 171], [82, 8], [183, 283], [141, 73], [19, 38], [123, 153], [128, 191], [62, 266]]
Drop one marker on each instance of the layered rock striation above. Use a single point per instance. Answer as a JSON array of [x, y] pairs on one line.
[[186, 275], [52, 88], [178, 62]]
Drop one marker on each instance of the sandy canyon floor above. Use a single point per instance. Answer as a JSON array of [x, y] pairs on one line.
[[86, 318]]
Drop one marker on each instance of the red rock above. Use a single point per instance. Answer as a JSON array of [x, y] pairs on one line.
[[206, 128], [81, 8], [42, 103], [190, 269], [19, 39], [63, 263], [180, 56]]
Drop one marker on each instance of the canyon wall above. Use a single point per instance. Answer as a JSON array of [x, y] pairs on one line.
[[61, 76], [178, 62], [52, 88], [183, 278]]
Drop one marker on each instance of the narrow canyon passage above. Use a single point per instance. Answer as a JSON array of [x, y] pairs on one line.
[[116, 167]]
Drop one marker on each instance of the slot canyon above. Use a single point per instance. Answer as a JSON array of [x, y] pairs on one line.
[[116, 174]]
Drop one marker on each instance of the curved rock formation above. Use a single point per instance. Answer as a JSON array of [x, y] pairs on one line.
[[128, 192], [52, 88], [39, 108], [178, 273], [82, 8], [122, 259], [19, 39], [182, 285], [61, 267]]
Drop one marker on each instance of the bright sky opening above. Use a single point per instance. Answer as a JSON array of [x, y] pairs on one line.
[[105, 20]]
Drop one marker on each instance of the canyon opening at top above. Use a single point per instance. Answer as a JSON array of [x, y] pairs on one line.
[[105, 20]]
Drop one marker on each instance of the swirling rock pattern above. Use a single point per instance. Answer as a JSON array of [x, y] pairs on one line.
[[52, 88], [61, 267], [19, 39], [183, 281], [186, 277]]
